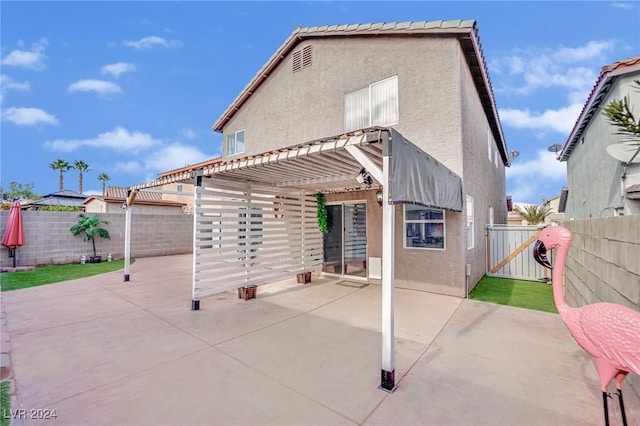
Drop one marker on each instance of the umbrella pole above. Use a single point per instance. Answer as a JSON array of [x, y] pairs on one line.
[[14, 258]]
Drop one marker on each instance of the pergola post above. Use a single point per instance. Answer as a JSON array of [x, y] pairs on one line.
[[131, 196], [387, 379], [197, 182]]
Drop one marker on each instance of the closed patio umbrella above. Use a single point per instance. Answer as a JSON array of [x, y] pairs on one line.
[[14, 232]]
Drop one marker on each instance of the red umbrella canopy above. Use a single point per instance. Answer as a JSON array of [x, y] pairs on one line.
[[14, 232]]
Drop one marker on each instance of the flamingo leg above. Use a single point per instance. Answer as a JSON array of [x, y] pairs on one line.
[[605, 395], [624, 416]]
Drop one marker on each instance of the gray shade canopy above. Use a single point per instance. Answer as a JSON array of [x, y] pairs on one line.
[[418, 178]]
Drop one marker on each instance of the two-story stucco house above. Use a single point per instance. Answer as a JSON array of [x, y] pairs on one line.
[[428, 81], [594, 149], [393, 127]]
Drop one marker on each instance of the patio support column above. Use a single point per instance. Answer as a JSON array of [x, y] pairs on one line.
[[197, 183], [387, 382], [128, 205], [127, 241]]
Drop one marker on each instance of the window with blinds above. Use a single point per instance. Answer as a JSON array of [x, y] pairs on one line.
[[375, 105]]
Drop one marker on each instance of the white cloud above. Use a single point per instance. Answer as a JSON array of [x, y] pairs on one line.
[[620, 5], [591, 50], [574, 67], [544, 166], [151, 41], [530, 178], [188, 133], [7, 83], [173, 156], [118, 68], [28, 116], [101, 87], [119, 139], [128, 166], [561, 120], [31, 59]]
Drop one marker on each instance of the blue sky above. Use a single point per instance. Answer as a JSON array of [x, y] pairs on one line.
[[133, 88]]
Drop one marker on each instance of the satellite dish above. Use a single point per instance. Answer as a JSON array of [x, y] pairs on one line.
[[624, 152], [555, 148]]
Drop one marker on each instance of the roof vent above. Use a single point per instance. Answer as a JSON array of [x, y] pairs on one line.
[[302, 58]]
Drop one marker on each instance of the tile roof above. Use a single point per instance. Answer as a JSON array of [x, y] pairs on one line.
[[121, 193], [599, 92], [117, 194], [191, 167], [466, 31]]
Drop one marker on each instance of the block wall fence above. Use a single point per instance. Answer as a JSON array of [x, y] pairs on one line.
[[49, 241], [604, 265]]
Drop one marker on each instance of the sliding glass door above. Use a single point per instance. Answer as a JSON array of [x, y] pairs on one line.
[[345, 245]]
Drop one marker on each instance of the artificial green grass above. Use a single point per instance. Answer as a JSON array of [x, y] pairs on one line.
[[52, 274], [522, 294], [5, 403]]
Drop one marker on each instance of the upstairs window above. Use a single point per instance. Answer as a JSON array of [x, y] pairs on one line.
[[235, 143], [375, 105]]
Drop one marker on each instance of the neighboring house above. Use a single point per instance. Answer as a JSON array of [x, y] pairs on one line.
[[146, 202], [182, 192], [426, 80], [554, 218], [65, 198], [600, 182]]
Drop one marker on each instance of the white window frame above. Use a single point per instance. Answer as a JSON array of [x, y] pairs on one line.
[[369, 120], [424, 221], [470, 228], [234, 137], [179, 187]]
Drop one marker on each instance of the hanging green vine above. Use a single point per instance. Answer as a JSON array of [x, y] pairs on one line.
[[321, 213]]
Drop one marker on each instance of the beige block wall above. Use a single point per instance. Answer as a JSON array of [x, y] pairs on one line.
[[48, 240], [604, 265]]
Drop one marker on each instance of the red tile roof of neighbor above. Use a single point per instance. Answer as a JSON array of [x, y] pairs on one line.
[[117, 194], [597, 95], [191, 167]]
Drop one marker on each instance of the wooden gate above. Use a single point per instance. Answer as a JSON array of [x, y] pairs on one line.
[[510, 253]]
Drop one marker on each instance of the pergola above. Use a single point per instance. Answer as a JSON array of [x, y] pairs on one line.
[[254, 217]]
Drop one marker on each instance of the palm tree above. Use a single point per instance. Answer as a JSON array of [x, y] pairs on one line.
[[91, 227], [80, 166], [534, 214], [619, 113], [63, 166], [103, 177]]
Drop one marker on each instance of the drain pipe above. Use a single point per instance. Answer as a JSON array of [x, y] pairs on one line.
[[467, 274]]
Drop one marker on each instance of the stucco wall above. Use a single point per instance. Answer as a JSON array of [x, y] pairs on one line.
[[595, 198], [438, 271], [293, 108], [483, 176], [50, 242]]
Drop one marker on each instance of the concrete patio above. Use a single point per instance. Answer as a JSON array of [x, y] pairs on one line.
[[101, 351]]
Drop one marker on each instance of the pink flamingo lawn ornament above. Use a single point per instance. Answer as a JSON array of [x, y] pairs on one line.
[[608, 332]]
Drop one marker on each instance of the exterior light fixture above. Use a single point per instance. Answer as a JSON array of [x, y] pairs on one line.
[[513, 154], [379, 197]]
